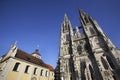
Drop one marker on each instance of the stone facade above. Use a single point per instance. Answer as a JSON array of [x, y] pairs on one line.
[[86, 53]]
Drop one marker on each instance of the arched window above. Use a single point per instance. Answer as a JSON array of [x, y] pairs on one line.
[[91, 72], [66, 27], [79, 49], [87, 48], [86, 20], [16, 66], [104, 63], [91, 31], [83, 67], [67, 37], [27, 69], [41, 73], [46, 74], [110, 62], [35, 70]]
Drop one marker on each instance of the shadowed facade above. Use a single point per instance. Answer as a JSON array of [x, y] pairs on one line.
[[86, 53]]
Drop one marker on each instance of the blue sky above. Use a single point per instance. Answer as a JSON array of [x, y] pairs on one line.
[[38, 22]]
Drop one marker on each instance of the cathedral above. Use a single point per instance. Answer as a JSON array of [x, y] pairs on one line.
[[86, 53]]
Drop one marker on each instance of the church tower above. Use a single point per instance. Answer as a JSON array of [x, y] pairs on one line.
[[86, 53]]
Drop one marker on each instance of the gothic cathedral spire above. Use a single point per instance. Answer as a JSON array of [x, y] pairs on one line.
[[66, 18], [87, 55]]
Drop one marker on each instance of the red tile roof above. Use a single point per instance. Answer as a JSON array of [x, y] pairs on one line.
[[49, 67], [25, 56]]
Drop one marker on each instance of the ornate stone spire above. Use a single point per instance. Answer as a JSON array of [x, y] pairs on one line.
[[66, 18]]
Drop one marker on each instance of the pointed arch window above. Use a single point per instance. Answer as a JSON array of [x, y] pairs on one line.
[[110, 62], [66, 27], [86, 20], [87, 47], [91, 31], [79, 49], [104, 63], [82, 19], [16, 67], [67, 37], [69, 50], [91, 72]]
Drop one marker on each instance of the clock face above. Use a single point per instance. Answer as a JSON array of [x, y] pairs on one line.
[[34, 78]]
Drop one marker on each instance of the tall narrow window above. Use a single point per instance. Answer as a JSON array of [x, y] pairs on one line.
[[16, 66], [91, 72], [104, 63], [35, 71], [27, 69], [52, 74], [83, 67], [66, 27], [92, 31], [41, 73], [67, 37], [110, 62], [79, 49], [86, 20], [69, 50], [46, 73]]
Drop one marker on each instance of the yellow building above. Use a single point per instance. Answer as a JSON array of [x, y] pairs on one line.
[[19, 65]]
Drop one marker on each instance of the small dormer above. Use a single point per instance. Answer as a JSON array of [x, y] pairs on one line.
[[36, 54]]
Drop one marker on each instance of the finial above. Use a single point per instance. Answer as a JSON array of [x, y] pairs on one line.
[[14, 44], [81, 12], [65, 17]]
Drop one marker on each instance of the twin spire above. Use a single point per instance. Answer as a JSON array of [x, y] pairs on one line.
[[66, 22], [81, 13]]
